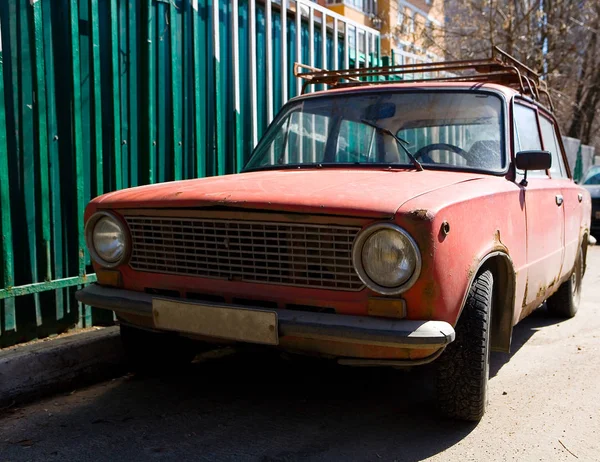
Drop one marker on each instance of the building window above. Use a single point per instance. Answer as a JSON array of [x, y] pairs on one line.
[[366, 6]]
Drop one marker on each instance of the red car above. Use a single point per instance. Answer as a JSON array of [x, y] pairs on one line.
[[386, 224]]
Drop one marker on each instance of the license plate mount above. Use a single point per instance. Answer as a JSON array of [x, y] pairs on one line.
[[231, 323]]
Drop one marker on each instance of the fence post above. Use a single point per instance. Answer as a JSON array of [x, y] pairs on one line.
[[5, 217]]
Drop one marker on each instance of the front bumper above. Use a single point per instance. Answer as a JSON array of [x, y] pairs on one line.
[[362, 330]]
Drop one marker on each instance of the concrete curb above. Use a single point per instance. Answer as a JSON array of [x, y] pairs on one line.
[[57, 365]]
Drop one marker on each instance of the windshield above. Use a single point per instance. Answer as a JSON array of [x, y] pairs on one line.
[[444, 129]]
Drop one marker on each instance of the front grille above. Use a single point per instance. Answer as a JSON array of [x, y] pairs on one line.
[[318, 256]]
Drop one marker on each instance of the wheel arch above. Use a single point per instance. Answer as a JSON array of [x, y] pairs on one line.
[[584, 249], [501, 266]]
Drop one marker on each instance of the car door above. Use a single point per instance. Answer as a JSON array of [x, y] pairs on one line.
[[544, 214], [571, 193]]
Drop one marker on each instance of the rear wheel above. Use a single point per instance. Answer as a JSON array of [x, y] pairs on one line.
[[463, 369], [152, 352], [564, 303]]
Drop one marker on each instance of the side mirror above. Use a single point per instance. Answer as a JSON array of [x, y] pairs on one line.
[[533, 160]]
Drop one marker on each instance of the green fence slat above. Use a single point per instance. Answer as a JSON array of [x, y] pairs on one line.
[[151, 94], [199, 83], [132, 91], [95, 93], [54, 170], [85, 314], [236, 88], [219, 126], [122, 96], [116, 94], [9, 321], [161, 38], [28, 154], [39, 69], [175, 92]]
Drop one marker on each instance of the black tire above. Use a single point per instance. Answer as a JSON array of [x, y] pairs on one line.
[[463, 369], [151, 352], [564, 303]]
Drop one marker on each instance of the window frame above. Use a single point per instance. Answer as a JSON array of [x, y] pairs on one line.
[[538, 110], [506, 129]]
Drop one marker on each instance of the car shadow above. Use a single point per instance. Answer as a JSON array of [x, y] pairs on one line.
[[522, 332], [258, 405]]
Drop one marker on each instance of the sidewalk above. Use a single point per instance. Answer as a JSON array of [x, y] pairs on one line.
[[57, 365]]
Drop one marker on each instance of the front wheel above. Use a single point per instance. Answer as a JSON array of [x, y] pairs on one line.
[[564, 303], [463, 369]]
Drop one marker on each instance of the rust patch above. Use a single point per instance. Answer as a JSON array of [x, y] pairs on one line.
[[178, 193], [498, 245], [524, 304], [421, 215], [541, 291]]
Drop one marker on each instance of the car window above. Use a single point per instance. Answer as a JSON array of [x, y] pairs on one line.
[[338, 129], [593, 179], [592, 176], [527, 135], [558, 169]]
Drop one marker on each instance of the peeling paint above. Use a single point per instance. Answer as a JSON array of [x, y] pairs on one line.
[[421, 215]]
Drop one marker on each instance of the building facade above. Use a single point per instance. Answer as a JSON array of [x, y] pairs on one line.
[[411, 30]]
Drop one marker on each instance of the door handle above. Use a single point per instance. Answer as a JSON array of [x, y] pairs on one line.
[[559, 200], [580, 197]]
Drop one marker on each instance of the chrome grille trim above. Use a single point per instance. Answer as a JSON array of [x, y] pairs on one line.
[[306, 255]]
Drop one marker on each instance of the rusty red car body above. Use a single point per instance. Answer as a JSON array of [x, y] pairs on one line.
[[528, 234]]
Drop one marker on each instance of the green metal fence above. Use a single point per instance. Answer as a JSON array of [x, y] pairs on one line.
[[98, 95]]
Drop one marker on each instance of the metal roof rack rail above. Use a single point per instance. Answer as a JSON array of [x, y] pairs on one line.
[[501, 68]]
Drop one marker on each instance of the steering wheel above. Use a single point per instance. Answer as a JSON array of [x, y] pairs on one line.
[[425, 150]]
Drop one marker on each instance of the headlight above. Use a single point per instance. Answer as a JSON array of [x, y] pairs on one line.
[[386, 259], [107, 239]]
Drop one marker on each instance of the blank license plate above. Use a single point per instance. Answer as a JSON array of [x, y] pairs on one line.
[[244, 325]]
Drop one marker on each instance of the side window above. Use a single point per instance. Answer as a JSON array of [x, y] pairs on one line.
[[526, 129], [527, 135], [558, 169]]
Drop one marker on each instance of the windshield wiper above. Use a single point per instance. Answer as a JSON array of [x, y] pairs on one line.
[[399, 140]]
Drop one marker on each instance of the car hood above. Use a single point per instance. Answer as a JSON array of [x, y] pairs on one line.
[[349, 192], [594, 190]]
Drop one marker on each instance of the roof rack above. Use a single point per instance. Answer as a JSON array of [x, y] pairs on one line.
[[501, 68]]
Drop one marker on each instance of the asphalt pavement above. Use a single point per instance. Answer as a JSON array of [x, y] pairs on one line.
[[544, 405]]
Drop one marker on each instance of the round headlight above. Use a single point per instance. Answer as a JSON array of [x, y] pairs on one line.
[[107, 239], [386, 259]]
